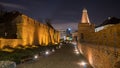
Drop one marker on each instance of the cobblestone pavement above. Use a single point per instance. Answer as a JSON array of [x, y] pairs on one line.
[[65, 57]]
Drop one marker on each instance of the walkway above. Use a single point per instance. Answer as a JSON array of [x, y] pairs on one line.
[[65, 57]]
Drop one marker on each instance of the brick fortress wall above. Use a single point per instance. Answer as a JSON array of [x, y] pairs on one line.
[[27, 31]]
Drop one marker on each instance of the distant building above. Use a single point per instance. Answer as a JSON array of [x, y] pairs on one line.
[[97, 29], [85, 27], [62, 34], [75, 36], [108, 22]]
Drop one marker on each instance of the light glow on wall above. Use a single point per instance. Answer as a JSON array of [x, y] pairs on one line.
[[90, 58], [31, 32]]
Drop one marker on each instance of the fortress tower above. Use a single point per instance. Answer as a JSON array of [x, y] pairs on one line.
[[85, 27]]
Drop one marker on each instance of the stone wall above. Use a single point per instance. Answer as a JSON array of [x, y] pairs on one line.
[[102, 48], [30, 32], [10, 42], [110, 36], [101, 56], [84, 30], [34, 32]]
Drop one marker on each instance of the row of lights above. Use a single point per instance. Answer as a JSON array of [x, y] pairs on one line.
[[46, 53], [76, 51]]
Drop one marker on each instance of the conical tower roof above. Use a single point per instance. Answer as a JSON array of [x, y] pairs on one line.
[[85, 18]]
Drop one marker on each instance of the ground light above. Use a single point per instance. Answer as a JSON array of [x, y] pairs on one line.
[[53, 50], [59, 46], [82, 64], [74, 43], [35, 57], [76, 51], [47, 52]]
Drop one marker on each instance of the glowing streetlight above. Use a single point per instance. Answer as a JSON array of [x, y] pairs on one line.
[[69, 29]]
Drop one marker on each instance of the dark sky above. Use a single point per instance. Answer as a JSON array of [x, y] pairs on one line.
[[65, 11]]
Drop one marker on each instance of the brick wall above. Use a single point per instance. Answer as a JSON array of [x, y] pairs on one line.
[[30, 32], [101, 56], [110, 36], [10, 42]]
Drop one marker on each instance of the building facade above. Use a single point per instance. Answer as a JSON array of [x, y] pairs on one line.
[[85, 27]]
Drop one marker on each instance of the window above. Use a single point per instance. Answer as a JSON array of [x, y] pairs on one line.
[[82, 36]]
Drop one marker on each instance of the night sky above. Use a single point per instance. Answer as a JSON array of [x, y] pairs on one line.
[[65, 12]]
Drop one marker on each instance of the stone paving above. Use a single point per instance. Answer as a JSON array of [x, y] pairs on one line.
[[65, 57]]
